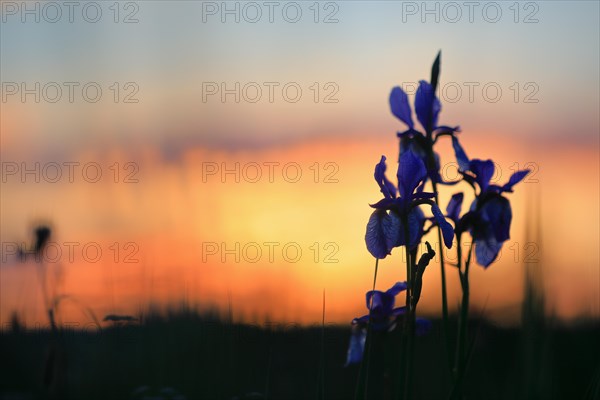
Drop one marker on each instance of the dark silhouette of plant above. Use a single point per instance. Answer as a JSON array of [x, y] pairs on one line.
[[398, 221]]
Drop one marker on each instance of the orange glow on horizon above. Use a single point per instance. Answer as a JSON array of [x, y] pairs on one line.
[[180, 210]]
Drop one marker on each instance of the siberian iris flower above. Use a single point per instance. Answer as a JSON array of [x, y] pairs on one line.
[[427, 108], [381, 306], [489, 217], [398, 213], [382, 317]]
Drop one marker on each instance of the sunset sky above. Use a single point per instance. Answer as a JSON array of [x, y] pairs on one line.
[[525, 94]]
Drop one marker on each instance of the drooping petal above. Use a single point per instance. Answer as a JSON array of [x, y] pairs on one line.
[[411, 171], [483, 170], [356, 346], [387, 188], [486, 247], [397, 238], [461, 156], [427, 106], [447, 230], [497, 214], [454, 206], [382, 233], [514, 179], [400, 106]]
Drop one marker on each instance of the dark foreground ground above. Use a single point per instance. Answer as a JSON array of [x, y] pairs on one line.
[[188, 356]]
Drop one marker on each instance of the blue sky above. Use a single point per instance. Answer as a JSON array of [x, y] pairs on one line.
[[171, 51]]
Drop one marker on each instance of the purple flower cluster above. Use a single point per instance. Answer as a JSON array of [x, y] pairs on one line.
[[398, 219]]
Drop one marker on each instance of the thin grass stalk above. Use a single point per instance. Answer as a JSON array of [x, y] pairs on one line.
[[368, 344]]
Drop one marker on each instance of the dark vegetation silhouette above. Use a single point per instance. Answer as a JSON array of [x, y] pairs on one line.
[[201, 356]]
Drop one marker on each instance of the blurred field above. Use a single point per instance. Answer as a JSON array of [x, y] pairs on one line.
[[187, 355]]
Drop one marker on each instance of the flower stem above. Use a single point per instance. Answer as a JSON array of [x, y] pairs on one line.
[[445, 328], [410, 323], [409, 330], [431, 165], [368, 344], [461, 349], [369, 330]]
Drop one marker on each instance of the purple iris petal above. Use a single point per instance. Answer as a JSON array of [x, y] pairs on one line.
[[434, 173], [381, 306], [483, 170], [447, 230], [446, 130], [383, 303], [411, 171], [416, 221], [454, 206], [514, 179], [387, 188], [473, 206], [382, 233], [397, 288], [497, 214], [427, 106], [400, 106], [461, 156], [417, 144], [385, 204], [356, 346], [486, 247]]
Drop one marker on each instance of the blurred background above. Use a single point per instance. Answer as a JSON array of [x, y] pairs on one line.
[[220, 154]]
